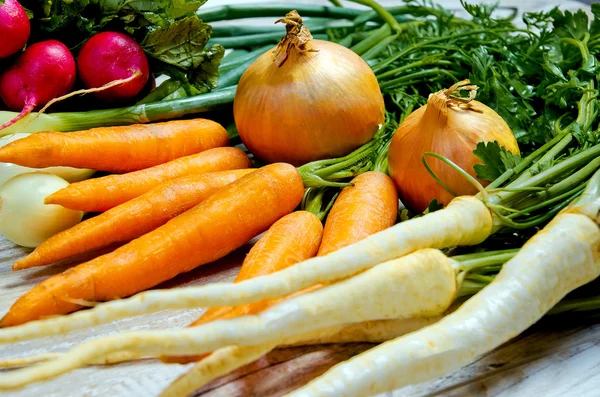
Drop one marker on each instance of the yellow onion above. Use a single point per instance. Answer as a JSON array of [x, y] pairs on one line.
[[307, 100], [451, 126]]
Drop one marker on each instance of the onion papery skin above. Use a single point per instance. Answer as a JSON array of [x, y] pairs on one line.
[[452, 131], [316, 105]]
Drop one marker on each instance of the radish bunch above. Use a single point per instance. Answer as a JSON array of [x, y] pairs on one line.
[[110, 64]]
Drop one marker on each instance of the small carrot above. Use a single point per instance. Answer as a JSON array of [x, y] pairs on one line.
[[212, 229], [367, 207], [116, 149], [292, 239], [101, 194], [132, 219]]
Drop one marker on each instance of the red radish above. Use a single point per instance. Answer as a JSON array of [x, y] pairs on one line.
[[14, 27], [45, 70], [110, 56]]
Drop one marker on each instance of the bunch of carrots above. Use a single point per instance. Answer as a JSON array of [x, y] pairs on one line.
[[183, 199]]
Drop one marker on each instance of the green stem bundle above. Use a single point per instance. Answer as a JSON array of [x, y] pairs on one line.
[[144, 113]]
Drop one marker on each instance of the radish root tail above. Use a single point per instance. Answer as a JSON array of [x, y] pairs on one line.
[[106, 86], [27, 109]]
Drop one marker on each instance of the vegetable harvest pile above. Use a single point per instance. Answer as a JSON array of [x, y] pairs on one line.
[[423, 180]]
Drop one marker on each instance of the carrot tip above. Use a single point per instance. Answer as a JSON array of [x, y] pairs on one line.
[[22, 264], [50, 199]]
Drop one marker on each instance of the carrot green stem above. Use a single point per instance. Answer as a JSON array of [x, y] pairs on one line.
[[238, 11], [534, 221], [374, 51], [364, 45], [482, 278], [554, 150], [489, 258], [329, 172], [383, 64], [516, 189], [574, 181], [553, 200], [382, 12], [465, 174], [313, 202], [416, 75], [577, 305], [575, 162], [408, 66]]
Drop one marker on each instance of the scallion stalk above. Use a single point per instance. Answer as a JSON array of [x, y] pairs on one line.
[[144, 113]]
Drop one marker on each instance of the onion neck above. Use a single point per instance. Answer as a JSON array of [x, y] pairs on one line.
[[438, 103], [297, 38], [437, 109]]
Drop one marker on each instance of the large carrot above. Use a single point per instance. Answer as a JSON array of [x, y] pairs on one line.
[[367, 207], [132, 219], [101, 194], [212, 229], [292, 239], [116, 149]]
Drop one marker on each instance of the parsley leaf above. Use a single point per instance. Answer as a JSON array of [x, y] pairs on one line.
[[496, 160], [433, 206]]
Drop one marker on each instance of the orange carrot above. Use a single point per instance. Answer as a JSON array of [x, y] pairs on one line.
[[101, 194], [220, 224], [292, 239], [116, 149], [371, 205], [368, 207], [132, 219]]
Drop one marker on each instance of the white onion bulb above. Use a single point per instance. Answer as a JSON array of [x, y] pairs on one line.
[[24, 218]]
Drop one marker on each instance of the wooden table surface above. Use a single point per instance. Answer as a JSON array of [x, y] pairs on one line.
[[553, 358]]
